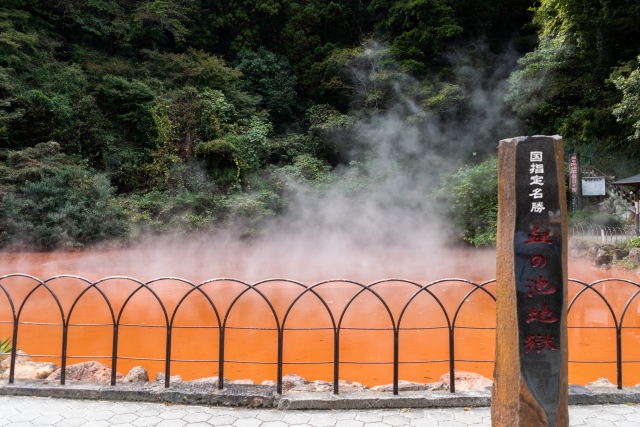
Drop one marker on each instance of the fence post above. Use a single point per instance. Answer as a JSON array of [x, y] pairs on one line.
[[280, 356], [452, 361]]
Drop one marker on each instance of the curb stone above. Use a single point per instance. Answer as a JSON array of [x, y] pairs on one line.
[[259, 396]]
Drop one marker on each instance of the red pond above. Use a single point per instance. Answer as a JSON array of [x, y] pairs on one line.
[[366, 343]]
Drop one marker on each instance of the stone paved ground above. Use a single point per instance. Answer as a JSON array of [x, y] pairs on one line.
[[27, 412]]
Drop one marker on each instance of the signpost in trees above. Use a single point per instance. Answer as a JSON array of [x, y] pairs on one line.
[[530, 380]]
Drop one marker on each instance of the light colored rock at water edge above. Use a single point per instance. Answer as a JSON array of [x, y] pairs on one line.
[[137, 374], [210, 380], [410, 386], [601, 382], [86, 371], [173, 379], [467, 381], [25, 368], [290, 381], [21, 357], [269, 383], [31, 371], [244, 381]]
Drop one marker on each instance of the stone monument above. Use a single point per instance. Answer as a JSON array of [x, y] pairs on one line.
[[530, 379]]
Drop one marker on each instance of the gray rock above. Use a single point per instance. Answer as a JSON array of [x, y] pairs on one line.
[[210, 380], [600, 382], [604, 256], [31, 370], [174, 379], [410, 386], [21, 357], [619, 254], [290, 381], [269, 383], [244, 381], [86, 371], [592, 252], [467, 381], [634, 255], [137, 374]]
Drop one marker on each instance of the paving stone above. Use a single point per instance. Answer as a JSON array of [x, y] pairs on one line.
[[24, 416], [173, 414], [247, 422], [296, 418], [71, 422], [123, 418], [270, 415], [396, 420], [451, 424], [22, 424], [467, 417], [150, 411], [319, 421], [175, 422], [99, 415], [147, 421], [197, 417], [349, 423], [274, 424], [342, 415], [368, 417], [222, 420], [598, 422], [100, 423], [46, 420], [626, 424]]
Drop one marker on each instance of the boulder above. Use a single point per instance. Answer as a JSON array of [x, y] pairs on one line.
[[601, 382], [137, 374], [619, 254], [31, 370], [269, 383], [604, 256], [244, 382], [21, 357], [592, 252], [320, 385], [290, 381], [467, 381], [410, 386], [86, 371], [209, 380], [314, 386], [634, 255], [173, 379]]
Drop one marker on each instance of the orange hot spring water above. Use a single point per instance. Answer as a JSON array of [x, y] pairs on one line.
[[366, 341]]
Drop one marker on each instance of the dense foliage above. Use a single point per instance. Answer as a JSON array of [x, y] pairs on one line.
[[121, 118], [472, 194]]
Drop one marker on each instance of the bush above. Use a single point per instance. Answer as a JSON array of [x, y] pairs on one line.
[[471, 195], [50, 200]]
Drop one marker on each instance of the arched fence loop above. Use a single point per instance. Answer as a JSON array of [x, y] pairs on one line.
[[207, 290]]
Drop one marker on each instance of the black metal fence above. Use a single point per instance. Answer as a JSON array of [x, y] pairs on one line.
[[451, 317]]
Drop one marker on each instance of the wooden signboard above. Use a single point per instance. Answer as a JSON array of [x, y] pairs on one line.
[[530, 385]]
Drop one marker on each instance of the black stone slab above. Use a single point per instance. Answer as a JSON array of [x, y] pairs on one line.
[[538, 271]]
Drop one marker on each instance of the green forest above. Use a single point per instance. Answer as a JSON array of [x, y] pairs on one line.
[[123, 119]]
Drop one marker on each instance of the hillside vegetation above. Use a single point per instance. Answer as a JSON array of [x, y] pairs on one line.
[[120, 119]]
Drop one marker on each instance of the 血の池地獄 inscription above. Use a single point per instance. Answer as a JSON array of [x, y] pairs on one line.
[[531, 387]]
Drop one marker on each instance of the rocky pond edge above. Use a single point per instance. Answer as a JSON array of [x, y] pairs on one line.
[[260, 396]]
